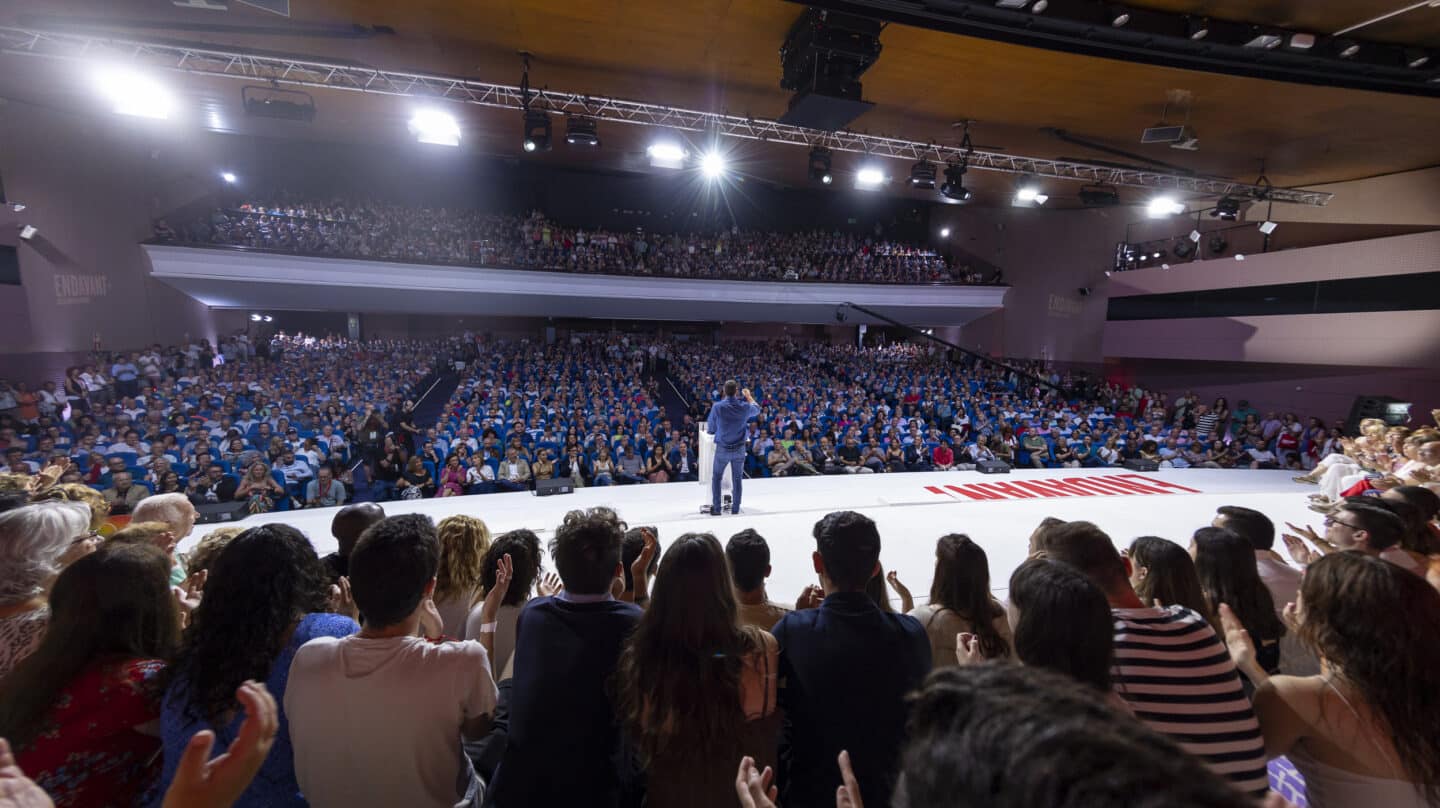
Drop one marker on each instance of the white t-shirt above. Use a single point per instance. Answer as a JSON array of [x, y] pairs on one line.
[[377, 721]]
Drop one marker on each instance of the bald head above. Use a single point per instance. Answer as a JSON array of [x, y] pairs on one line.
[[351, 521]]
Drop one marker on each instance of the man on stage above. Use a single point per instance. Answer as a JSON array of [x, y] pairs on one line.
[[727, 423]]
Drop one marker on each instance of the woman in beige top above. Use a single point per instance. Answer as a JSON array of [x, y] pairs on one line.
[[961, 603]]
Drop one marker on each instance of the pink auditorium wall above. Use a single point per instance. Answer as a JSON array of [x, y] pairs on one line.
[[91, 188], [1047, 257]]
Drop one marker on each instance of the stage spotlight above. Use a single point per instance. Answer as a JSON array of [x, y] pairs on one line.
[[922, 175], [228, 176], [254, 318], [1197, 28], [1184, 248], [1239, 256], [869, 177], [1346, 48], [1416, 58], [667, 154], [820, 166], [1218, 245], [1228, 208], [581, 131], [27, 232], [17, 207], [436, 127], [1163, 206], [537, 131], [1268, 227], [268, 318], [132, 93], [954, 187], [1028, 193], [712, 165], [944, 232], [1118, 16]]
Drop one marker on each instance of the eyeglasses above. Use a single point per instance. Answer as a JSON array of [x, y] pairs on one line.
[[1330, 520]]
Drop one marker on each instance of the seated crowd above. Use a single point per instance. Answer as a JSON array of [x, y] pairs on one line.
[[354, 229], [426, 664], [282, 424]]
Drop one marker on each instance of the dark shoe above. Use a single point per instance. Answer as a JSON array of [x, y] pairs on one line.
[[714, 511]]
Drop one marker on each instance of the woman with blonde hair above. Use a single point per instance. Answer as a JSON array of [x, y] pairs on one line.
[[259, 489], [464, 540]]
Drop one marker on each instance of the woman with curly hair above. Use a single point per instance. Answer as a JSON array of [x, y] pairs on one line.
[[265, 596], [463, 543], [1362, 732], [78, 709], [696, 689]]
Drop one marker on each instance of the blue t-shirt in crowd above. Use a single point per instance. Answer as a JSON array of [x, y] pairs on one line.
[[564, 746], [275, 784], [845, 669]]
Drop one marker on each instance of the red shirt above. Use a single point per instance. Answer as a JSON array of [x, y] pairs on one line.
[[943, 456], [87, 752]]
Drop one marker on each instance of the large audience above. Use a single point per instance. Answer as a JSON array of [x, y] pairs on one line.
[[1200, 669], [379, 230]]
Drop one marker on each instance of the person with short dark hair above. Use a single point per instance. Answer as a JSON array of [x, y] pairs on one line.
[[1359, 524], [566, 649], [1062, 622], [749, 557], [1280, 578], [1170, 666], [999, 736], [846, 667], [353, 701], [727, 424], [351, 521]]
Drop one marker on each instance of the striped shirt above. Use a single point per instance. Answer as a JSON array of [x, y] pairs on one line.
[[1177, 676]]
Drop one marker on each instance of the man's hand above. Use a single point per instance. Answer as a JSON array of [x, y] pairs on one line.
[[432, 625], [1237, 639], [639, 568], [810, 598], [967, 649], [1302, 555], [342, 601], [203, 783]]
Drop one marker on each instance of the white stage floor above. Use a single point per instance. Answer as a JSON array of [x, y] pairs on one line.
[[911, 510]]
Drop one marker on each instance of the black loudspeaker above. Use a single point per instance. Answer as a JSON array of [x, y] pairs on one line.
[[1141, 464], [545, 488], [1392, 411], [212, 512], [992, 467]]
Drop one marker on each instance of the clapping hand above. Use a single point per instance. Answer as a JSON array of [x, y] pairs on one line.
[[967, 649], [811, 598], [1237, 639], [432, 625], [188, 594], [204, 783], [504, 571], [549, 585], [1298, 551], [907, 602], [342, 601], [755, 788]]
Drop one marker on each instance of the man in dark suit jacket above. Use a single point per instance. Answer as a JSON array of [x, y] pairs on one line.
[[563, 745], [212, 487], [845, 670]]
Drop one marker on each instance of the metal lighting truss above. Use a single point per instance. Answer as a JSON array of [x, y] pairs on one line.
[[338, 76]]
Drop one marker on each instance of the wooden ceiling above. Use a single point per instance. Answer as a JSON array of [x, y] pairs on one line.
[[723, 55]]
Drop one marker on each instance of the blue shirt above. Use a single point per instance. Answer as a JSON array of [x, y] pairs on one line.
[[845, 670], [275, 783], [727, 423]]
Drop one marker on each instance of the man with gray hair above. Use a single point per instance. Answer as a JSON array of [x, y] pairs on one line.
[[174, 510]]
